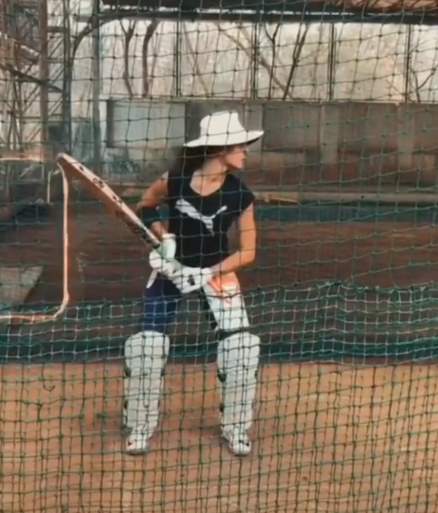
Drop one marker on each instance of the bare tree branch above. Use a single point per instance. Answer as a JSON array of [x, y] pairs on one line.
[[296, 54], [415, 88], [194, 56], [147, 85], [247, 49], [428, 77], [128, 35], [273, 40], [414, 80]]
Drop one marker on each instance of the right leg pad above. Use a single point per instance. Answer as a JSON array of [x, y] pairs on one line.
[[145, 358]]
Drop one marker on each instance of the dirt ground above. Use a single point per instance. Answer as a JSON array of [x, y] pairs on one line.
[[326, 438], [110, 263]]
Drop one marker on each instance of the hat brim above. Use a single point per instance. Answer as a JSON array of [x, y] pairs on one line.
[[226, 139]]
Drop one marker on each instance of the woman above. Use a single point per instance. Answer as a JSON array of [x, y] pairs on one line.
[[204, 200]]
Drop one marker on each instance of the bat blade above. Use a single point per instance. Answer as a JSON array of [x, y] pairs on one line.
[[100, 190]]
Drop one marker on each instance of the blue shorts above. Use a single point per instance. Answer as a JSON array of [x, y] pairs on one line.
[[161, 299]]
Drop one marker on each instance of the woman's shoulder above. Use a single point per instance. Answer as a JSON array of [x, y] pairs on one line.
[[176, 182], [242, 195], [235, 183]]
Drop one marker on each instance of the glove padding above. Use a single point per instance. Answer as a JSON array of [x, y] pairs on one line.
[[167, 247], [163, 257], [186, 279]]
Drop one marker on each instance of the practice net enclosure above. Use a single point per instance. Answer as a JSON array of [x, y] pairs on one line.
[[306, 384]]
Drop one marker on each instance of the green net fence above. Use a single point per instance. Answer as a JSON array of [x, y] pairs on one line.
[[333, 409]]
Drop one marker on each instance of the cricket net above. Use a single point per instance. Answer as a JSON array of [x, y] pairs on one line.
[[343, 292]]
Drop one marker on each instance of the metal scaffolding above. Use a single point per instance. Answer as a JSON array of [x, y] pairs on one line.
[[32, 56], [34, 97]]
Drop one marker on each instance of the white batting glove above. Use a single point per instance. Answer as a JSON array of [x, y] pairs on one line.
[[188, 279], [162, 259], [167, 247]]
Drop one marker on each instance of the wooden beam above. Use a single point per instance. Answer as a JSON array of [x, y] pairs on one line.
[[277, 197], [399, 198], [134, 190], [26, 77], [290, 12], [376, 6], [36, 154], [15, 52]]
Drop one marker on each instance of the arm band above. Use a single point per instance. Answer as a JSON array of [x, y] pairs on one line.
[[149, 215]]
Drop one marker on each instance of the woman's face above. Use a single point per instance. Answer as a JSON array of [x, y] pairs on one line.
[[235, 156]]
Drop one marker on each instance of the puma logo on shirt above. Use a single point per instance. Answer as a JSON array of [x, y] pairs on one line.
[[189, 210]]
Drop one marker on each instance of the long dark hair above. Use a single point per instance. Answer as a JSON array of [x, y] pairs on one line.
[[188, 160]]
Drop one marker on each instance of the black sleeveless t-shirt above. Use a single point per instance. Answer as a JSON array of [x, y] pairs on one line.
[[200, 223]]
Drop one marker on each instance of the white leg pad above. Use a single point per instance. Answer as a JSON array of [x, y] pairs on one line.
[[145, 357], [226, 302], [238, 358]]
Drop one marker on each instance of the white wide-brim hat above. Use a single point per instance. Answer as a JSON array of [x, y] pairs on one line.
[[223, 129]]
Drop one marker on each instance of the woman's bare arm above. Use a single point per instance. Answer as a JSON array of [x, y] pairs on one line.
[[153, 196], [247, 250]]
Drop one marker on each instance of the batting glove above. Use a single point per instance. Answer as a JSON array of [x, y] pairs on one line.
[[188, 279], [162, 259]]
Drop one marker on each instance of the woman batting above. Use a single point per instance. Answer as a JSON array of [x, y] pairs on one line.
[[204, 200]]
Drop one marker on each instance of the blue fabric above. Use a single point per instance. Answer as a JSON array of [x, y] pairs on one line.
[[161, 299]]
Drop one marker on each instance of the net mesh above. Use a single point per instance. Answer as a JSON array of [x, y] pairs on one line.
[[343, 292]]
